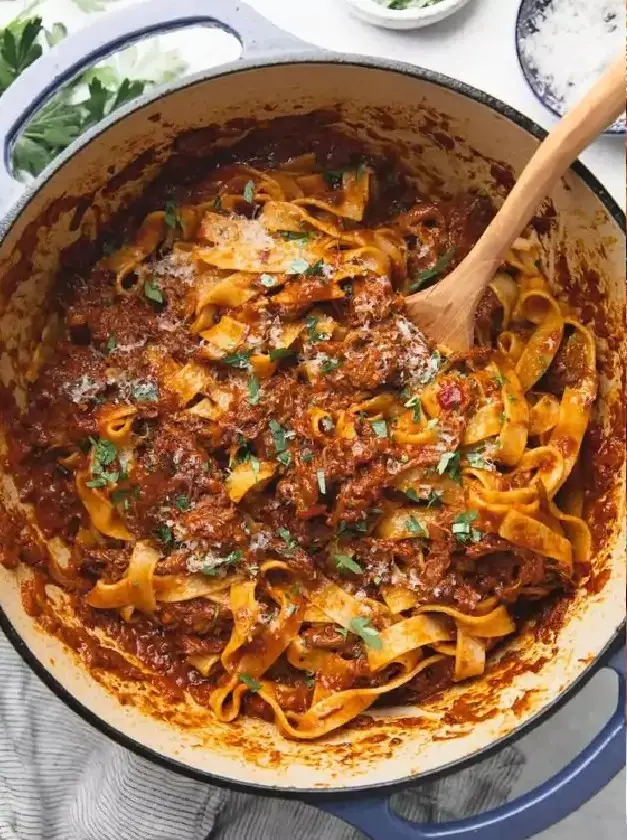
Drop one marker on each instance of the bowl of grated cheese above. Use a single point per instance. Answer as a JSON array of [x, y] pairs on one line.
[[564, 46], [404, 14]]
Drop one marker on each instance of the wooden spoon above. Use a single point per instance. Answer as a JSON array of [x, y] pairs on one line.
[[446, 312]]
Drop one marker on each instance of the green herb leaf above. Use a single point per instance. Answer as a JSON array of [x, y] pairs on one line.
[[414, 403], [279, 435], [251, 683], [173, 216], [414, 527], [380, 428], [343, 631], [254, 393], [299, 266], [105, 452], [284, 458], [268, 281], [316, 269], [362, 627], [153, 291], [111, 344], [165, 535], [183, 503], [431, 371], [311, 322], [302, 237], [411, 494], [449, 464], [213, 568], [146, 391], [438, 267], [330, 364], [333, 177], [249, 192], [344, 562], [462, 527], [434, 497], [238, 360], [476, 459], [307, 456], [322, 483], [279, 353], [287, 538]]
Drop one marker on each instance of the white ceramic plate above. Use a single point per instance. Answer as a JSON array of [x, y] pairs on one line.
[[411, 18]]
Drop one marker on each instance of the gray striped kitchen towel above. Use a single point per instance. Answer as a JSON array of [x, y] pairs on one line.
[[62, 780]]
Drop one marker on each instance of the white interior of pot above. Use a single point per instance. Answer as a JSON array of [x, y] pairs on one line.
[[470, 716]]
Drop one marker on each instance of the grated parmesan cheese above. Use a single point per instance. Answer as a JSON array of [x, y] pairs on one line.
[[573, 43]]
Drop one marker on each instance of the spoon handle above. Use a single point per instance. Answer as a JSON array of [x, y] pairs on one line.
[[572, 134]]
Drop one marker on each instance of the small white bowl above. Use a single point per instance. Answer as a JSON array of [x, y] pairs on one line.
[[412, 18]]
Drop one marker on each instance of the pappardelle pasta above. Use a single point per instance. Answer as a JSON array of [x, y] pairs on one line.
[[274, 491]]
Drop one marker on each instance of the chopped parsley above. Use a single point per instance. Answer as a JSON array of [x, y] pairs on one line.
[[217, 203], [249, 191], [330, 364], [500, 378], [300, 236], [284, 458], [183, 503], [449, 464], [279, 353], [268, 281], [299, 266], [322, 483], [164, 534], [462, 527], [414, 404], [254, 392], [438, 267], [433, 366], [311, 322], [112, 344], [146, 391], [380, 428], [414, 527], [344, 562], [343, 631], [104, 454], [311, 681], [333, 177], [279, 435], [153, 292], [238, 360], [362, 627], [476, 459], [173, 216], [316, 269], [307, 456], [213, 569], [411, 494], [434, 497], [121, 497], [287, 538], [251, 683]]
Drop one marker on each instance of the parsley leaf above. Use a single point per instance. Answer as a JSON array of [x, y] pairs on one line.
[[449, 464], [279, 353], [279, 435], [165, 535], [462, 527], [173, 216], [284, 458], [183, 503], [311, 322], [287, 538], [295, 236], [429, 273], [238, 360], [253, 390], [434, 497], [344, 562], [380, 428], [414, 527], [411, 494], [212, 569], [153, 292], [343, 631], [111, 344], [299, 266], [249, 192], [414, 403], [476, 459], [146, 391], [316, 269], [251, 683], [330, 364], [362, 627], [307, 456], [322, 483], [268, 280]]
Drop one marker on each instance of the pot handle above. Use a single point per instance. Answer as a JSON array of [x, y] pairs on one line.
[[526, 816], [113, 31]]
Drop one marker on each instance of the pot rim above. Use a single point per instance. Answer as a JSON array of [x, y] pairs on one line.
[[6, 224]]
